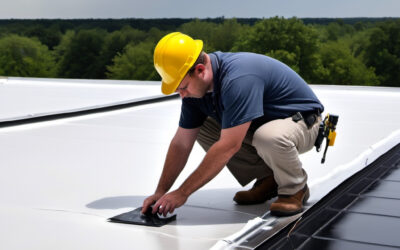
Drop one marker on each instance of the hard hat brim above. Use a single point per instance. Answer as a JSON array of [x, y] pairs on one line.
[[170, 88]]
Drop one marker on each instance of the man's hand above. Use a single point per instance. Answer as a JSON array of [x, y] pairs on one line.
[[167, 203], [178, 153], [150, 201]]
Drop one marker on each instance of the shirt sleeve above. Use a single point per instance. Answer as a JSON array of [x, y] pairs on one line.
[[242, 100], [191, 115]]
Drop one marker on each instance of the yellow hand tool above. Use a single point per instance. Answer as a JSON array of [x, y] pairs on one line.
[[327, 130]]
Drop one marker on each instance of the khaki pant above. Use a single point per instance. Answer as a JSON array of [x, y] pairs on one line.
[[273, 149]]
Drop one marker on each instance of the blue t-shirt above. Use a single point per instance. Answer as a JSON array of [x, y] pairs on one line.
[[249, 87]]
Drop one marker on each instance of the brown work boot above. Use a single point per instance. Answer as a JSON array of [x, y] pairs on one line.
[[261, 191], [287, 205]]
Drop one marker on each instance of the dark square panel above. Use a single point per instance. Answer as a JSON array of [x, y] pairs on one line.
[[343, 201], [364, 228], [378, 172], [360, 186], [384, 189], [378, 206], [286, 243], [323, 244], [318, 220], [393, 159], [392, 175]]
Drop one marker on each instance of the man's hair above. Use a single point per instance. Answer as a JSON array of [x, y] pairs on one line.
[[200, 60]]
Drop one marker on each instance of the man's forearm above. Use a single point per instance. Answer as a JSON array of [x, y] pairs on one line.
[[216, 158], [214, 161], [174, 163]]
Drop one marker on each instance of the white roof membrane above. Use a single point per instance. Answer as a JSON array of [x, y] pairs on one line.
[[31, 97], [62, 179]]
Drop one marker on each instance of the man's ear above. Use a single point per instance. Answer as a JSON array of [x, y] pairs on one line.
[[200, 68]]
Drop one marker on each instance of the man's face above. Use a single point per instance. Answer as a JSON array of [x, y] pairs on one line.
[[193, 86]]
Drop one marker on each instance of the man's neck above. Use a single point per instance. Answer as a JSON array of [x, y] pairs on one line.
[[210, 73]]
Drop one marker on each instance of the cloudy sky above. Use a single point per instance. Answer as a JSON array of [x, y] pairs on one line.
[[199, 8]]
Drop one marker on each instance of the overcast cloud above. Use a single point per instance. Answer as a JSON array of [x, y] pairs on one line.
[[199, 9]]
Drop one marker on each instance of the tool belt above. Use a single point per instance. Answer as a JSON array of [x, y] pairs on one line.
[[309, 117], [326, 128]]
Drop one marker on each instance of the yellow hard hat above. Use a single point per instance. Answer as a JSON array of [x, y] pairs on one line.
[[174, 55]]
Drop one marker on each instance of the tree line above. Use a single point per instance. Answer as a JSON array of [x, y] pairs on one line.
[[341, 51]]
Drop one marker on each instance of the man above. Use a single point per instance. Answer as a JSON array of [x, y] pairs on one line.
[[249, 112]]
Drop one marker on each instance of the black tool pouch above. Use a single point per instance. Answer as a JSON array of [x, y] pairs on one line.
[[320, 137], [309, 118]]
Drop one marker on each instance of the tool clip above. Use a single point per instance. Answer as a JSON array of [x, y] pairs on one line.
[[326, 130]]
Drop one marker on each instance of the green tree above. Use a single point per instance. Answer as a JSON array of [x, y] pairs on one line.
[[338, 29], [225, 35], [359, 26], [115, 43], [339, 66], [288, 39], [25, 57], [136, 63], [81, 57], [63, 46], [154, 35], [335, 31], [289, 58], [48, 36], [200, 30], [383, 52], [357, 43]]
